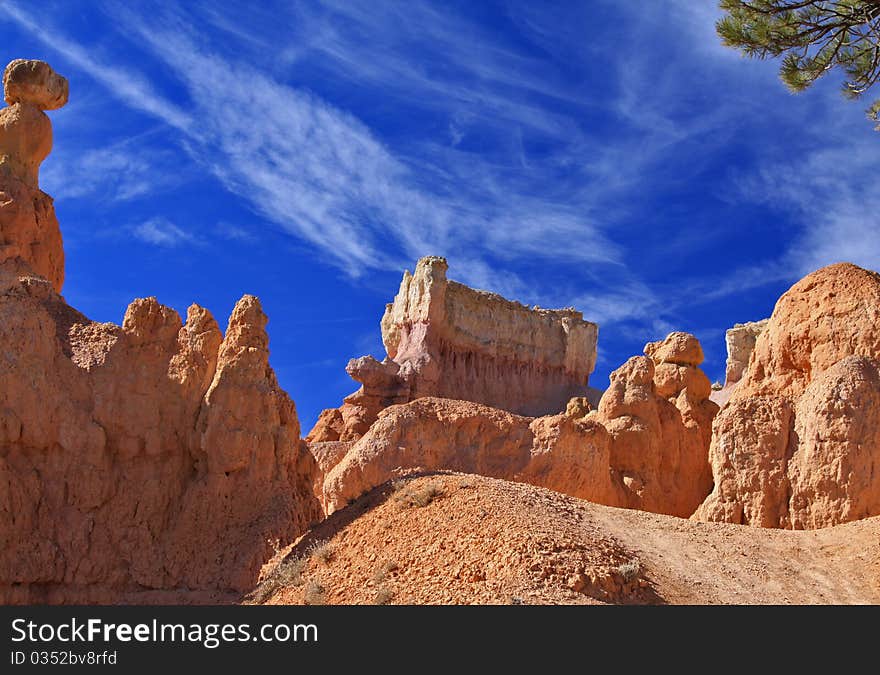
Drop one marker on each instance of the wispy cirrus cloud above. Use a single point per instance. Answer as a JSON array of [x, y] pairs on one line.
[[828, 188], [531, 182], [121, 171], [232, 232], [325, 176], [162, 232]]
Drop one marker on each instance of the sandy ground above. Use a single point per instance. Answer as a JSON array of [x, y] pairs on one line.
[[454, 538]]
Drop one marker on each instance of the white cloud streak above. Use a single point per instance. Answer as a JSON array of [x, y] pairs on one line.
[[121, 171], [369, 202], [162, 232], [128, 85], [322, 174], [830, 190]]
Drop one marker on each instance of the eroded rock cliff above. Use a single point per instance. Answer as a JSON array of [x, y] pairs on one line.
[[645, 447], [797, 445], [152, 456], [447, 340]]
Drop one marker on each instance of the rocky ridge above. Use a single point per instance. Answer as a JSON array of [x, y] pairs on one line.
[[466, 539], [153, 456], [646, 445]]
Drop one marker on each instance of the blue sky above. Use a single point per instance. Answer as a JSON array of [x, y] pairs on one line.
[[609, 155]]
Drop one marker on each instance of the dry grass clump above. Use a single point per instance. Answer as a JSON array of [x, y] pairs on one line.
[[408, 495], [314, 593], [323, 551], [383, 570], [287, 573], [383, 595], [630, 571]]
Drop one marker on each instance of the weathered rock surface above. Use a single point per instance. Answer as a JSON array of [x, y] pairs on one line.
[[645, 447], [155, 455], [29, 234], [826, 316], [835, 469], [447, 340], [681, 349], [797, 445], [34, 82], [740, 341], [476, 540], [659, 415], [557, 452]]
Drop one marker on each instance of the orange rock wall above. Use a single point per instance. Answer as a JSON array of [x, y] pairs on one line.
[[798, 444], [447, 340], [645, 447], [155, 455]]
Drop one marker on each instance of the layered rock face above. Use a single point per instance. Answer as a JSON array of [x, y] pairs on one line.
[[29, 232], [740, 341], [446, 340], [797, 446], [148, 457], [645, 447]]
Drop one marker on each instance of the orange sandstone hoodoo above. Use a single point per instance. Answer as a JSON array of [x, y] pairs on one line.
[[139, 459], [29, 230], [798, 445]]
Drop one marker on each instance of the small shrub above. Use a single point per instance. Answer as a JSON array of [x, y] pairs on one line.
[[383, 595], [383, 570], [422, 495], [717, 386], [517, 600], [427, 494], [289, 572], [314, 593], [630, 570], [323, 551]]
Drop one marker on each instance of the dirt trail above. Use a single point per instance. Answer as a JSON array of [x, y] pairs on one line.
[[694, 562], [454, 538]]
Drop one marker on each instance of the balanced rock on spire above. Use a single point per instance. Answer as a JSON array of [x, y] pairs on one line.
[[29, 231]]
